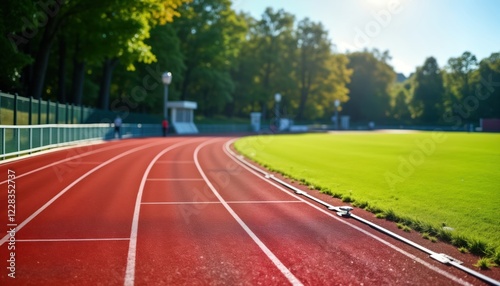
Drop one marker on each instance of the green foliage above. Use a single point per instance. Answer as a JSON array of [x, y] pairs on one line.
[[403, 227], [460, 241], [370, 85], [346, 199], [429, 92], [445, 235], [231, 64], [463, 249], [391, 215], [496, 256], [479, 247], [484, 263]]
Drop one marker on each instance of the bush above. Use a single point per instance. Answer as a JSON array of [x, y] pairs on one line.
[[459, 241], [496, 257], [327, 191], [479, 247], [374, 209], [404, 227], [360, 205], [391, 215], [484, 263], [445, 235], [347, 199]]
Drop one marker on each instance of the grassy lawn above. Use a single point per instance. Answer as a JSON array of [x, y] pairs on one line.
[[439, 179]]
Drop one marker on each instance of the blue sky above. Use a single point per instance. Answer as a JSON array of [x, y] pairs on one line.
[[411, 30]]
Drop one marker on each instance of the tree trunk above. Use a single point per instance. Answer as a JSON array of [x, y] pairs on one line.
[[304, 90], [61, 93], [78, 79], [104, 90], [78, 75], [27, 73], [185, 84], [42, 58]]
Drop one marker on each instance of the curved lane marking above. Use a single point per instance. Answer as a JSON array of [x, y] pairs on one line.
[[65, 160], [51, 201], [132, 248], [289, 275], [448, 275]]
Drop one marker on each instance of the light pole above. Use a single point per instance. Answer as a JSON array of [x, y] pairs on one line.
[[337, 104], [167, 79], [277, 97]]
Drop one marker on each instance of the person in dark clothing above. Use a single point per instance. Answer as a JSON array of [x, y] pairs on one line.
[[164, 126]]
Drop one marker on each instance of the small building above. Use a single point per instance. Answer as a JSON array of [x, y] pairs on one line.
[[182, 116]]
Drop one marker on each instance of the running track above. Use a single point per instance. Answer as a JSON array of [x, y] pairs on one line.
[[182, 211]]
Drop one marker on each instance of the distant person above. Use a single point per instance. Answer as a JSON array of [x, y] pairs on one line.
[[164, 126], [118, 125], [371, 125]]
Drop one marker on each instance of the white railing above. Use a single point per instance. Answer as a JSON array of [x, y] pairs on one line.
[[17, 140]]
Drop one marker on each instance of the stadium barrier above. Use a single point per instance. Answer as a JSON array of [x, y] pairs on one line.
[[17, 140]]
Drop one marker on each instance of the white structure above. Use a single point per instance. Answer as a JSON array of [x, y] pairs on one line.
[[182, 116], [255, 121]]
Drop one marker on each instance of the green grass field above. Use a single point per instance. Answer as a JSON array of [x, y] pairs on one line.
[[431, 178]]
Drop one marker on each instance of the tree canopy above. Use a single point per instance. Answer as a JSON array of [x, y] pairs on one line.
[[111, 54]]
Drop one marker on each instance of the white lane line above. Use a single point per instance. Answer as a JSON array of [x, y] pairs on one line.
[[286, 272], [229, 202], [265, 202], [180, 203], [132, 248], [65, 160], [51, 201], [72, 239], [450, 276], [174, 179], [174, 162]]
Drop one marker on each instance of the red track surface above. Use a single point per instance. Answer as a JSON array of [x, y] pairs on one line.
[[181, 211]]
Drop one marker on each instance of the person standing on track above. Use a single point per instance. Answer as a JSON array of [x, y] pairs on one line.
[[164, 126], [118, 125]]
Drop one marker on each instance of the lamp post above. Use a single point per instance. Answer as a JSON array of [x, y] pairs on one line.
[[167, 79], [337, 104], [277, 97]]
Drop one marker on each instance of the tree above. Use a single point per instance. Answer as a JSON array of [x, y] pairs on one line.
[[370, 86], [274, 54], [486, 85], [428, 94], [401, 101], [459, 71], [116, 29], [460, 74], [210, 34], [14, 42], [314, 52]]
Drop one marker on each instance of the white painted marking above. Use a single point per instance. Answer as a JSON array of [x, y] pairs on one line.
[[180, 203], [51, 201], [64, 160], [265, 202], [174, 179], [132, 248], [229, 202], [289, 275], [71, 239], [409, 255], [175, 162]]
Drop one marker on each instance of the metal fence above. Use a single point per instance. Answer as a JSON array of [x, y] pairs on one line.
[[24, 139], [18, 110]]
